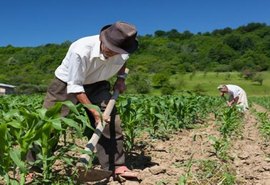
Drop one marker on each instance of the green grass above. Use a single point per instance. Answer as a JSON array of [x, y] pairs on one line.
[[209, 81]]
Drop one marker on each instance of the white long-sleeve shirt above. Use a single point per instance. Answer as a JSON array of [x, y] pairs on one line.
[[234, 90], [84, 64]]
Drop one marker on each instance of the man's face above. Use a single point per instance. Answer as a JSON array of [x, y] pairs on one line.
[[107, 52], [224, 90]]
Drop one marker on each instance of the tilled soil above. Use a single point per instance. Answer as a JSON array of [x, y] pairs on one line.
[[251, 153], [164, 162]]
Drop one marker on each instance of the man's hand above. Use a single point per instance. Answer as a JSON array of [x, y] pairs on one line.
[[82, 98], [96, 115], [229, 103]]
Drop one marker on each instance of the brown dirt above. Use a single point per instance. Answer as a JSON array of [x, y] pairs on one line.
[[251, 154], [163, 162]]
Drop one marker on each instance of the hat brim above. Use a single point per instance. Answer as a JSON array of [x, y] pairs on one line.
[[103, 38]]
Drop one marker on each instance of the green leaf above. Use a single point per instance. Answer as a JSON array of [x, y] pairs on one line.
[[71, 106], [42, 113], [91, 106], [15, 155], [15, 124], [160, 116], [56, 123], [67, 160], [3, 138], [54, 110], [72, 124]]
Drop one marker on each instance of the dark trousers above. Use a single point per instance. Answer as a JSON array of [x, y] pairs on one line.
[[110, 146]]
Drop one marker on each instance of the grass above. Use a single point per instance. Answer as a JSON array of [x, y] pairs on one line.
[[207, 83]]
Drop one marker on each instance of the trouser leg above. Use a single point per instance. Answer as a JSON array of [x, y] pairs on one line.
[[110, 146], [57, 92]]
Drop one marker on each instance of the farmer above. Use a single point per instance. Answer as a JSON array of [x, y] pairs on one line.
[[82, 78], [237, 96]]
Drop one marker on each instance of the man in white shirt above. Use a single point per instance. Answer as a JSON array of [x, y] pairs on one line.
[[236, 96], [82, 78]]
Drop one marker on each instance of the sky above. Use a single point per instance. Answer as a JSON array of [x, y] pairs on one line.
[[31, 23]]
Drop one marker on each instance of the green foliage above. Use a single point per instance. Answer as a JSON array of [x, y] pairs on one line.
[[158, 115], [25, 124], [264, 124], [258, 78], [160, 79], [140, 82], [263, 101], [230, 121], [167, 89], [170, 52]]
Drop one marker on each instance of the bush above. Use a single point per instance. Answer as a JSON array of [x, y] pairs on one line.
[[258, 78], [160, 80], [167, 90]]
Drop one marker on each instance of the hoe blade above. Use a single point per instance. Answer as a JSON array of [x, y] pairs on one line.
[[92, 175]]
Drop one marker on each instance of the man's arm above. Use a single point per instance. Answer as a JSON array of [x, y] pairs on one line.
[[234, 101], [120, 82], [83, 99], [122, 70]]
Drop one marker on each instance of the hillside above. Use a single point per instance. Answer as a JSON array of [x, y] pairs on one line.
[[160, 56]]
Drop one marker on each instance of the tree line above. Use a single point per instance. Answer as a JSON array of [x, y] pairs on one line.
[[160, 55]]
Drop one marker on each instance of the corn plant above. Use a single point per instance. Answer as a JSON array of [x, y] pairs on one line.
[[230, 122], [131, 118], [221, 146], [264, 124], [263, 101], [21, 127]]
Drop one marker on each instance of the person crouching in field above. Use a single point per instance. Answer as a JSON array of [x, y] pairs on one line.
[[237, 96]]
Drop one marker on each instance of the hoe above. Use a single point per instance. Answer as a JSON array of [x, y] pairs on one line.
[[90, 175]]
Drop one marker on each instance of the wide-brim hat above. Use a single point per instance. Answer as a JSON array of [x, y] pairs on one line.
[[119, 37]]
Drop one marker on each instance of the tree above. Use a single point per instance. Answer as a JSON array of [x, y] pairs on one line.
[[221, 54], [234, 41], [251, 27], [173, 34], [160, 33], [224, 31]]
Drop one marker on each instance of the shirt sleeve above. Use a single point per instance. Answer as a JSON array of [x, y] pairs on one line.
[[76, 74]]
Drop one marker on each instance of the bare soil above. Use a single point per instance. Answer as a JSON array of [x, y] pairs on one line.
[[164, 162]]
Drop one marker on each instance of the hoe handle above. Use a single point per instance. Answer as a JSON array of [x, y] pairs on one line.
[[100, 126]]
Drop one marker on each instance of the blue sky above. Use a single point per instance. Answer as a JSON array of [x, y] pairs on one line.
[[34, 22]]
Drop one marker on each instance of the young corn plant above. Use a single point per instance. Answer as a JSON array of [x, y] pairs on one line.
[[230, 122], [221, 146], [22, 127], [264, 124], [131, 117], [215, 172]]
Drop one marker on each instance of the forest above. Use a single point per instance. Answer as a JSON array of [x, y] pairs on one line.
[[245, 49]]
